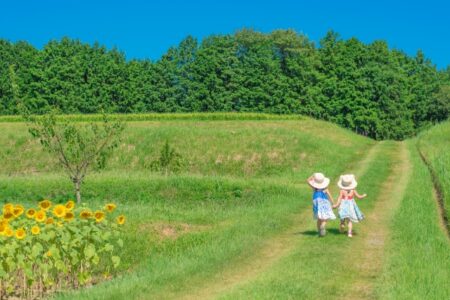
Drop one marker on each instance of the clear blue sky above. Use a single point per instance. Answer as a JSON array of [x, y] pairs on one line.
[[146, 29]]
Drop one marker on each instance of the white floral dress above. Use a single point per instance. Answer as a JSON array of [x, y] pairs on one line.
[[322, 207]]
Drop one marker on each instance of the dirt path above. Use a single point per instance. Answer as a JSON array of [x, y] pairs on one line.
[[273, 250], [368, 248]]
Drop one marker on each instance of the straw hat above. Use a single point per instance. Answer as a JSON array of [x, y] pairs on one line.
[[319, 181], [347, 182]]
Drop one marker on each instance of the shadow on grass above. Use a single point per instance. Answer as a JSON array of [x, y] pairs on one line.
[[334, 231]]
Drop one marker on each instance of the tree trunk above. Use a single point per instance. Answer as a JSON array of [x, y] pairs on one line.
[[77, 190]]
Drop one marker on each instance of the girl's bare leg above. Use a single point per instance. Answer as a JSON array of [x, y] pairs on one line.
[[350, 227]]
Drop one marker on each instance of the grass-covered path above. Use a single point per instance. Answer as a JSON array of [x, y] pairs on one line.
[[244, 279]]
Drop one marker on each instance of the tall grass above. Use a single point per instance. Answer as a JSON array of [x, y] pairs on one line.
[[434, 144], [418, 255], [285, 149]]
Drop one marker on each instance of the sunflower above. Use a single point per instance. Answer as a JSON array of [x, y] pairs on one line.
[[40, 216], [121, 220], [35, 230], [69, 216], [9, 232], [20, 234], [85, 214], [49, 221], [110, 207], [48, 253], [45, 204], [30, 213], [70, 205], [3, 228], [59, 211], [18, 210], [99, 216], [8, 207], [8, 215]]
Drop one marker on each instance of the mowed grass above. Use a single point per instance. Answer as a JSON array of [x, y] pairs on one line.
[[323, 267], [418, 255], [242, 182], [435, 146]]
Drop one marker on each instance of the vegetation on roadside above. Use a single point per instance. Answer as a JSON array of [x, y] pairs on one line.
[[434, 144], [417, 264]]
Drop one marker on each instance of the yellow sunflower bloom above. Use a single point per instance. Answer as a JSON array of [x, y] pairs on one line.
[[45, 204], [49, 221], [8, 207], [121, 220], [69, 216], [8, 215], [9, 232], [18, 210], [31, 213], [59, 211], [70, 205], [35, 230], [110, 207], [40, 216], [99, 216], [3, 228], [20, 234], [49, 253], [85, 214]]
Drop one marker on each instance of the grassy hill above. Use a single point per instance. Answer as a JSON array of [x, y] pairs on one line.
[[237, 222]]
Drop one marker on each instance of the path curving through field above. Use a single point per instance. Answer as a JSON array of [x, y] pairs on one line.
[[273, 251], [368, 248]]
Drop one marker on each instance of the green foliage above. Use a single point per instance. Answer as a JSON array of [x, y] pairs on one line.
[[169, 161], [77, 147], [369, 88]]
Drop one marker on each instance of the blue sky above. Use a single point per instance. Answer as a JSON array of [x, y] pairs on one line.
[[146, 29]]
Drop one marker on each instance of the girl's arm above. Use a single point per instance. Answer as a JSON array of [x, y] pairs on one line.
[[338, 200], [360, 196], [330, 198], [309, 180]]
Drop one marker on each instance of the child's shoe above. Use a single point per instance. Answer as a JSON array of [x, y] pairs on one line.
[[350, 234]]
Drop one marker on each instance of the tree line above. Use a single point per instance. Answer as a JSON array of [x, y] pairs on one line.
[[369, 88]]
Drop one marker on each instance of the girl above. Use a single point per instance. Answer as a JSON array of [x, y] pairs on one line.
[[348, 210], [322, 201]]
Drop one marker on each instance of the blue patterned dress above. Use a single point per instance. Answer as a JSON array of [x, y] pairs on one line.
[[349, 210], [321, 206]]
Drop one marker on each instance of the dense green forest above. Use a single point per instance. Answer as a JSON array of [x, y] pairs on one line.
[[369, 88]]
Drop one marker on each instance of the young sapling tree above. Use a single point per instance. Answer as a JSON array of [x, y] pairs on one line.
[[78, 146]]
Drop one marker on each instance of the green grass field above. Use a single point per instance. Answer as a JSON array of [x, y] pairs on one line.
[[236, 222]]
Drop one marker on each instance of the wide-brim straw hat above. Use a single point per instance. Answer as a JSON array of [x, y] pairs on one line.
[[347, 182], [319, 181]]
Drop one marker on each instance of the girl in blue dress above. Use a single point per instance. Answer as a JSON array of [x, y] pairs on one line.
[[322, 201], [348, 210]]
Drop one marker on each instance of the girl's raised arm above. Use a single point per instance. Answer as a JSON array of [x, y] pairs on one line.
[[360, 196]]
